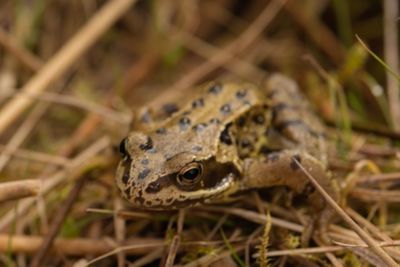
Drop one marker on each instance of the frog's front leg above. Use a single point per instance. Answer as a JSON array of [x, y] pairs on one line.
[[279, 169]]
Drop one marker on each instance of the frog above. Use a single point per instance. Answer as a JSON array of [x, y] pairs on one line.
[[228, 139]]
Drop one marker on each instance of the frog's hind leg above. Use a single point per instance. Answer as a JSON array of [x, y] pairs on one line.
[[280, 169], [293, 121]]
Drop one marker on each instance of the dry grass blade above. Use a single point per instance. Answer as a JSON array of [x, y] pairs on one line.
[[391, 20], [104, 111], [64, 59], [19, 52], [19, 189], [380, 252], [75, 247], [34, 156]]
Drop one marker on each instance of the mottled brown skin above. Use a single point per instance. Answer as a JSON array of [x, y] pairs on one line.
[[230, 137]]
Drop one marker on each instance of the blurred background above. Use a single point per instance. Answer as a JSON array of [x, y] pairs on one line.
[[155, 52]]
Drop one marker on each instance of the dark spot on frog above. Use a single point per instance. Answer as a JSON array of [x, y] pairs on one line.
[[215, 88], [293, 164], [199, 127], [197, 148], [145, 161], [241, 121], [184, 123], [153, 187], [296, 123], [225, 109], [170, 108], [143, 174], [215, 121], [308, 189], [267, 150], [245, 143], [241, 93], [148, 145], [225, 136], [169, 200], [258, 119], [125, 178], [198, 103], [161, 131], [148, 202]]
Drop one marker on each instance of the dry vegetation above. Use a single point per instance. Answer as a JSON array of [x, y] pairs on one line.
[[72, 73]]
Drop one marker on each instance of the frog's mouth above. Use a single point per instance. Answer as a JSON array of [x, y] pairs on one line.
[[175, 198]]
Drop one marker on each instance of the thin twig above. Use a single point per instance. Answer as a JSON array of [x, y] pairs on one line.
[[27, 58]]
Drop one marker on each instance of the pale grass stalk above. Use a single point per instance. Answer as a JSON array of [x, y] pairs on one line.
[[239, 67], [19, 189], [299, 251], [148, 258], [257, 218], [130, 249], [120, 230], [75, 102], [22, 133], [65, 58], [34, 156], [122, 213], [51, 182], [76, 246], [391, 56]]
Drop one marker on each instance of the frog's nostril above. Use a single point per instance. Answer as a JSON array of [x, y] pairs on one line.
[[153, 187]]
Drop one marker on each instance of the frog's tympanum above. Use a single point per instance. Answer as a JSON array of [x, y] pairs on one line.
[[229, 138]]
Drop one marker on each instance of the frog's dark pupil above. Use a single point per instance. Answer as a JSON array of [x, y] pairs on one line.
[[191, 174], [122, 147]]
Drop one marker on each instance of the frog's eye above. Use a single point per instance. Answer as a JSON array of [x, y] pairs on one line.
[[190, 174], [122, 148]]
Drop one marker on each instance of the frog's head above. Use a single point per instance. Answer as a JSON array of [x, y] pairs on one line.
[[166, 173]]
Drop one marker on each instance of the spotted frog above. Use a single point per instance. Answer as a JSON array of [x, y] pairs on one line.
[[230, 138]]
